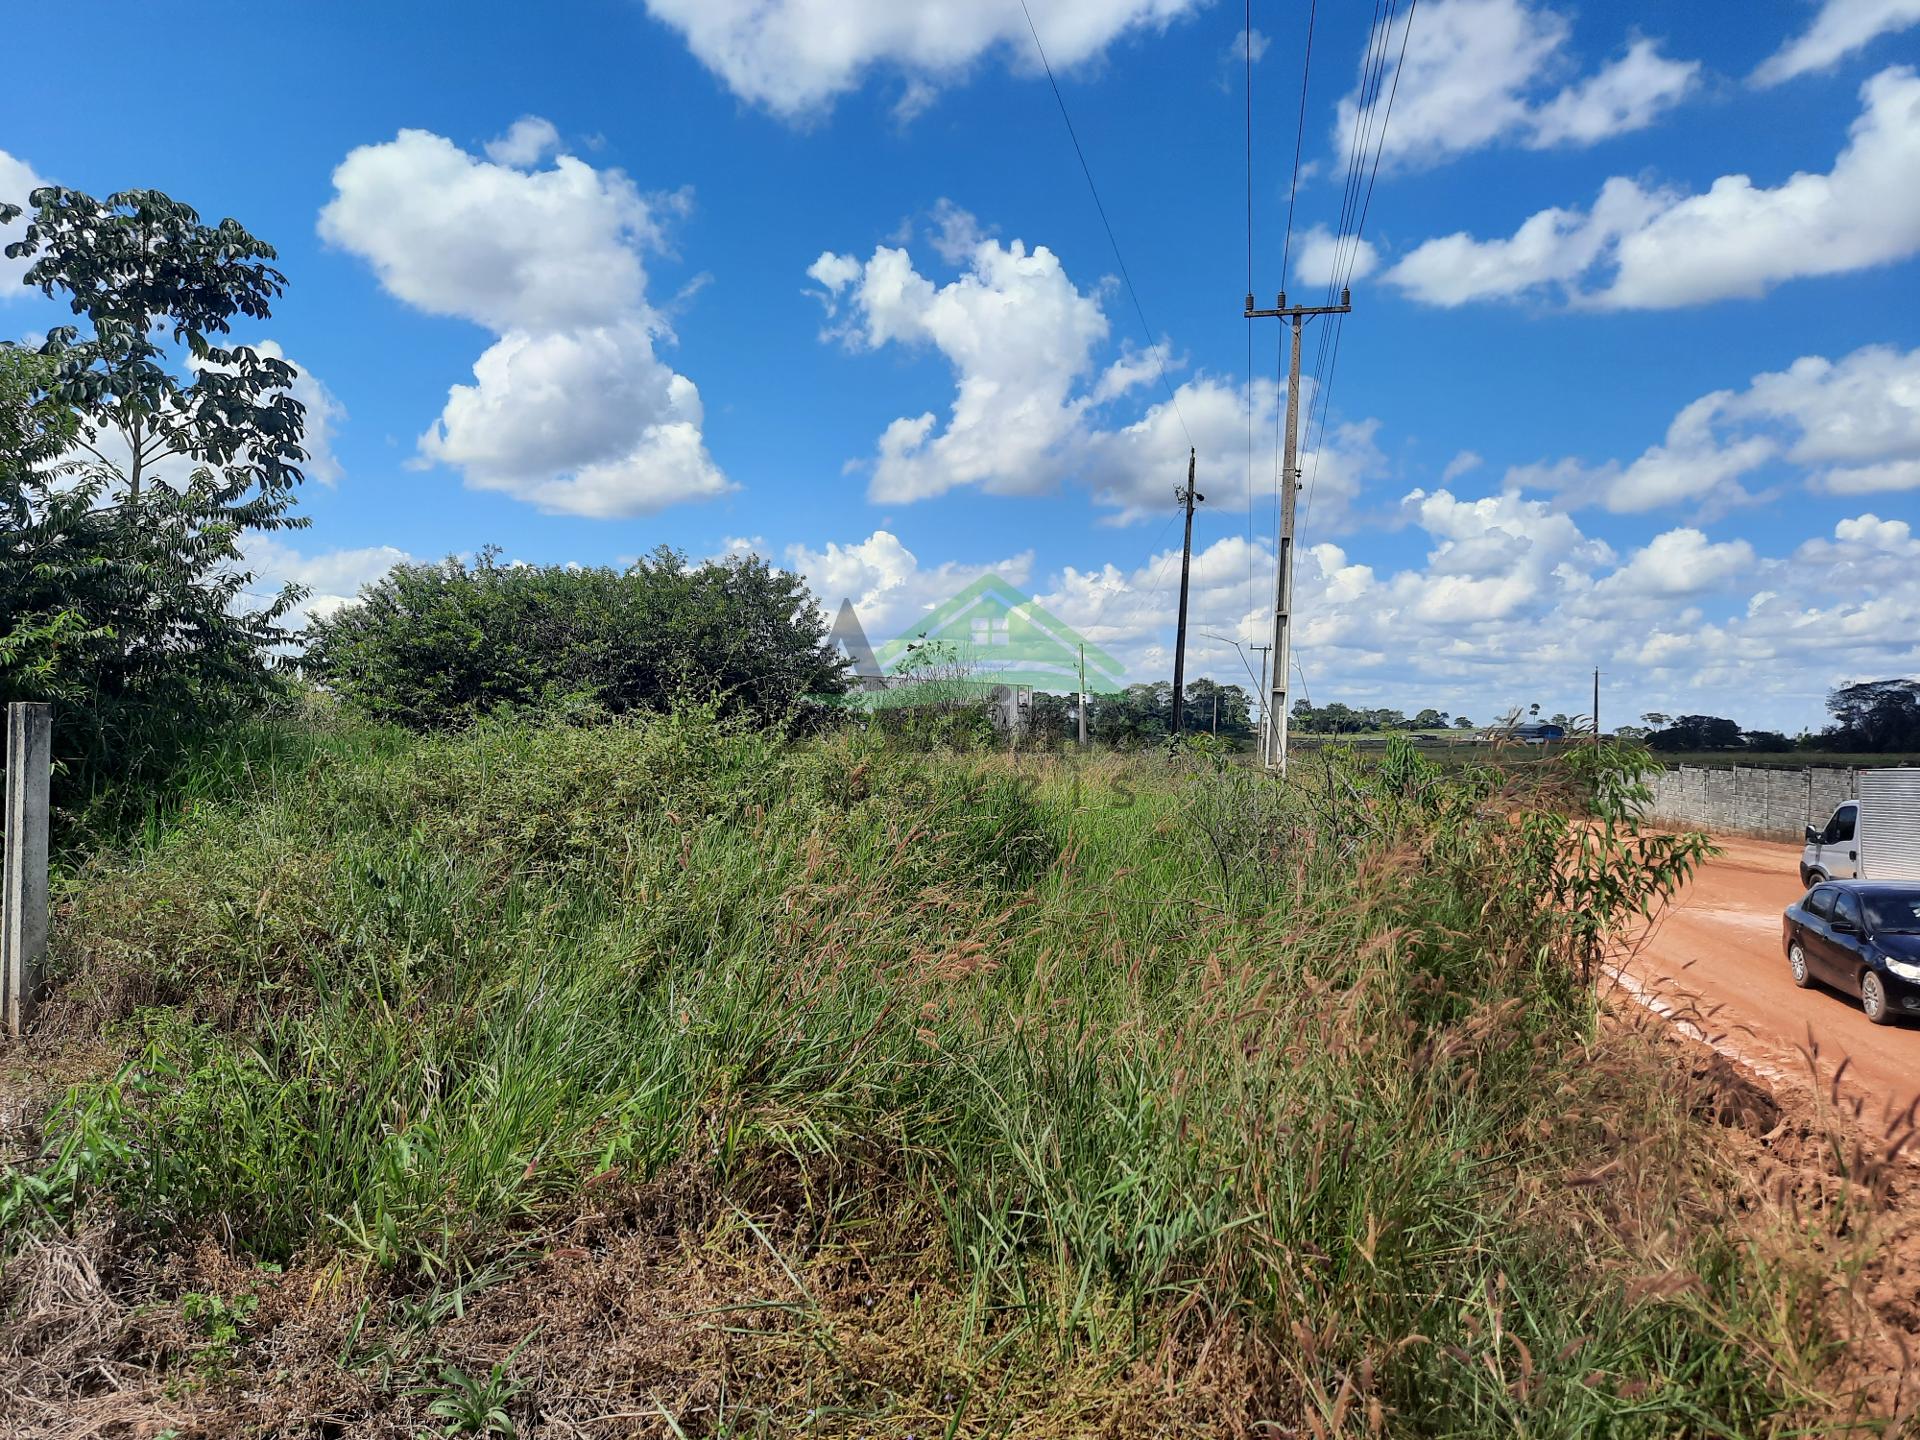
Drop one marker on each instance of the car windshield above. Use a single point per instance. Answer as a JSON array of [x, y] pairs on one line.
[[1894, 914]]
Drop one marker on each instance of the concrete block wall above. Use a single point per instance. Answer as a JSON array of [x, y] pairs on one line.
[[1768, 803]]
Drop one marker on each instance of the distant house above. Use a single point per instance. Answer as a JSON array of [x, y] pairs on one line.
[[1537, 732]]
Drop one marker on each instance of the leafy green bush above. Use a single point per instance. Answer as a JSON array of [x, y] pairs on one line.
[[437, 646]]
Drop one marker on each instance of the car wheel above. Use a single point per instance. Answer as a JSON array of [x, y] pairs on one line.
[[1806, 878], [1873, 999], [1815, 877], [1797, 962]]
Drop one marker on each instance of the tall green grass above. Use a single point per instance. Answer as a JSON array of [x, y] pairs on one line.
[[1153, 1054]]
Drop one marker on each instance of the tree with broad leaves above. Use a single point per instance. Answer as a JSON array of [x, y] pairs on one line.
[[126, 602], [145, 272]]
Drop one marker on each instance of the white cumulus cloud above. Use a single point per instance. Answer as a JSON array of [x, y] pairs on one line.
[[1512, 604], [1019, 337], [1481, 72], [17, 181], [1640, 249], [527, 141], [332, 578], [889, 587], [1029, 394], [571, 407], [1323, 255], [1840, 28], [1680, 562], [795, 56], [1852, 426]]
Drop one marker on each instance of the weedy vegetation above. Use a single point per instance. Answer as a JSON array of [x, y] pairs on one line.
[[673, 1077]]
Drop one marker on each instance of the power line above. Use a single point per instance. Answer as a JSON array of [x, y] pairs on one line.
[[1299, 134], [1249, 464], [1373, 132], [1247, 36], [1238, 650], [1165, 525], [1370, 73], [1119, 259], [1399, 66], [1323, 394]]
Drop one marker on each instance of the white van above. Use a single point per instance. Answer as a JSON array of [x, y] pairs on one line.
[[1876, 837]]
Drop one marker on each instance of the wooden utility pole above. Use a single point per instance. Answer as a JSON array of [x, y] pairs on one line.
[[1082, 707], [1276, 718], [23, 902], [1188, 497], [1596, 709]]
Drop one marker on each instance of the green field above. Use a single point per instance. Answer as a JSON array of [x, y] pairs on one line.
[[505, 1082]]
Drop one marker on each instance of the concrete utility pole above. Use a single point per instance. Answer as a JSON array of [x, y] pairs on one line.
[[1082, 707], [1188, 497], [23, 903], [1275, 728]]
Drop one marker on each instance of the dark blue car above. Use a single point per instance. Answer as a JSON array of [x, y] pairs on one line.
[[1860, 936]]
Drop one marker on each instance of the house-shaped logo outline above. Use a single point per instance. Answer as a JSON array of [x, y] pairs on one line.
[[1039, 650]]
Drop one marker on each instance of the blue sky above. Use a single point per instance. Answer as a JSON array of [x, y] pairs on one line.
[[821, 278]]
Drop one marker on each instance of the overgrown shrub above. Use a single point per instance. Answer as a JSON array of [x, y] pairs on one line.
[[438, 646]]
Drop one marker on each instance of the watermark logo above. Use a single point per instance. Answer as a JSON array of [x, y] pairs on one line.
[[988, 638]]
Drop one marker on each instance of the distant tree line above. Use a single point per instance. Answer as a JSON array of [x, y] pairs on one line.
[[1142, 715], [1870, 717], [1339, 719]]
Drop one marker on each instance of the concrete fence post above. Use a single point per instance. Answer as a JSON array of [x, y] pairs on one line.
[[23, 902]]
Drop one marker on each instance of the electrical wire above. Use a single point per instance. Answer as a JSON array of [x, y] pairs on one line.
[[1372, 75], [1153, 347], [1249, 409], [1399, 67], [1299, 134], [1247, 37], [1165, 525], [1240, 650], [1323, 391], [1371, 70]]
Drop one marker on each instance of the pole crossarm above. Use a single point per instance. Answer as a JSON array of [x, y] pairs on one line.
[[1287, 312]]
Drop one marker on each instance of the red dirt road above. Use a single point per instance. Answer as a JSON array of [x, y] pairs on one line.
[[1714, 958]]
